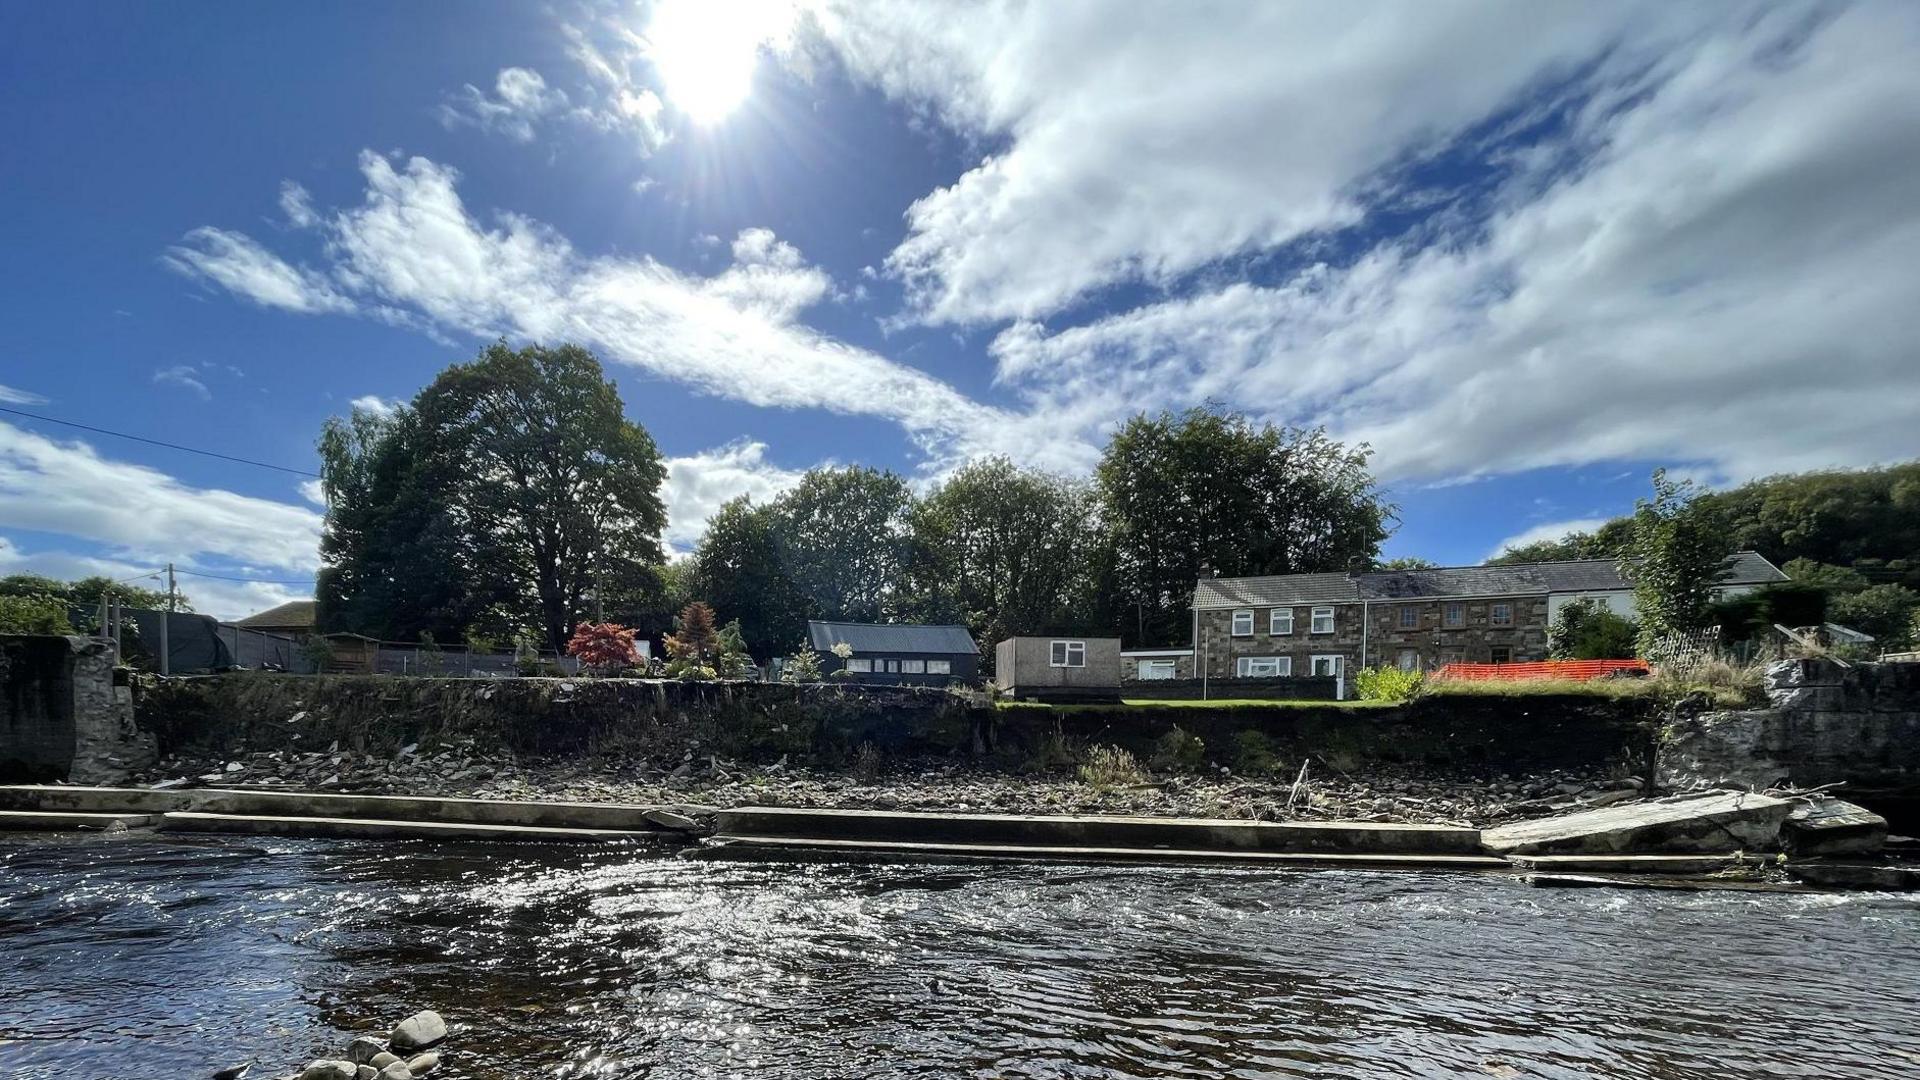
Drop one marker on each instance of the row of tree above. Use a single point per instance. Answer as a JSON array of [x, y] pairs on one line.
[[512, 493]]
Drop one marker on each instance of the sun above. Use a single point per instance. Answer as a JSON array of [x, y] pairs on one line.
[[705, 51]]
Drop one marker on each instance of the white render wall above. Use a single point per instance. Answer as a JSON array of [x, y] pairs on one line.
[[1620, 601]]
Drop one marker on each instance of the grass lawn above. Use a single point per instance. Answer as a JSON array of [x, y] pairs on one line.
[[1195, 703]]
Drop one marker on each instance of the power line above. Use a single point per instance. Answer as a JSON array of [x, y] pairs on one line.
[[259, 580], [157, 442]]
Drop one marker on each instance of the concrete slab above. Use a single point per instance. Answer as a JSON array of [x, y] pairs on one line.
[[1649, 881], [378, 829], [1828, 826], [1074, 831], [1703, 824], [725, 846], [1626, 864], [60, 821], [277, 803], [1876, 876], [91, 800]]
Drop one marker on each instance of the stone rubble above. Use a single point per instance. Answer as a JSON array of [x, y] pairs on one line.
[[371, 1058], [1381, 794]]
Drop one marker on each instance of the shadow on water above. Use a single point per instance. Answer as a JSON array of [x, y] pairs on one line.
[[145, 956]]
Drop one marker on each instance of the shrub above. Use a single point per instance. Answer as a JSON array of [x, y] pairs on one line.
[[33, 615], [1586, 629], [1179, 749], [1386, 684], [1110, 767], [602, 648], [802, 666], [1253, 754]]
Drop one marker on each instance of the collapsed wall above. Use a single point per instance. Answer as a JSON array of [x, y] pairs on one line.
[[1827, 722], [66, 712]]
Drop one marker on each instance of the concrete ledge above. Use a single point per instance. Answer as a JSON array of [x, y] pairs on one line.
[[378, 829], [92, 800], [53, 821], [761, 846], [1684, 825], [561, 815], [1068, 831], [1625, 864]]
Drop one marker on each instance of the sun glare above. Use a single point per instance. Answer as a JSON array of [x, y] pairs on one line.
[[705, 51]]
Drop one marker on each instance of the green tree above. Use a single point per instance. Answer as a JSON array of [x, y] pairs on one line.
[[1885, 611], [740, 567], [86, 592], [511, 488], [843, 542], [1406, 562], [1209, 490], [1680, 551], [1609, 541], [1006, 551], [1834, 580], [1586, 629], [33, 614]]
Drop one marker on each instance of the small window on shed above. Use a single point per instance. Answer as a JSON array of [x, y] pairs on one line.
[[1243, 623], [939, 667], [1067, 654], [913, 667], [860, 664]]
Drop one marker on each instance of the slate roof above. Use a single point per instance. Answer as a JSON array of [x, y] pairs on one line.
[[891, 638], [291, 613], [1519, 579]]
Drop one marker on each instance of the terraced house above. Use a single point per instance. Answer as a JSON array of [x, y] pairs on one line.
[[1328, 624]]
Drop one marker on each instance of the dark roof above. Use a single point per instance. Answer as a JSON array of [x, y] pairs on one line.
[[291, 613], [1517, 579], [891, 637]]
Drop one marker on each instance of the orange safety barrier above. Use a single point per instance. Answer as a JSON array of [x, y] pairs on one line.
[[1543, 669]]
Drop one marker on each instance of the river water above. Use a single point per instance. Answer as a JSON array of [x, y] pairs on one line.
[[150, 957]]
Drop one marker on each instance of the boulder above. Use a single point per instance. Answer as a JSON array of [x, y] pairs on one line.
[[325, 1069], [364, 1048], [396, 1071], [1828, 826], [382, 1059], [422, 1064], [419, 1031], [1710, 823], [368, 1072]]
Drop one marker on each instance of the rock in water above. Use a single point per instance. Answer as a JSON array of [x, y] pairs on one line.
[[396, 1071], [382, 1059], [330, 1070], [365, 1048], [422, 1064], [368, 1072], [233, 1072], [419, 1031]]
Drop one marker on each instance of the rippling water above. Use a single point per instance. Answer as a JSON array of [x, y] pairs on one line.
[[160, 957]]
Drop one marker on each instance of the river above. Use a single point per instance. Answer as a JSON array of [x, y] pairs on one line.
[[146, 957]]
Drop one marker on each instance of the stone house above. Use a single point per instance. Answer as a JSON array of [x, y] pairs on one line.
[[1418, 620], [1156, 665]]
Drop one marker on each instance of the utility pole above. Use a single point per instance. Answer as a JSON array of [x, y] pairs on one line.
[[166, 619]]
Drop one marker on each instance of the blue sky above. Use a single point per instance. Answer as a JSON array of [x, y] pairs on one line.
[[1527, 252]]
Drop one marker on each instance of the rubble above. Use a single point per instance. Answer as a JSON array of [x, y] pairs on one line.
[[1705, 823]]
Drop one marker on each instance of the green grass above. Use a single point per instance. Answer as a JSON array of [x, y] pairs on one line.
[[1193, 703]]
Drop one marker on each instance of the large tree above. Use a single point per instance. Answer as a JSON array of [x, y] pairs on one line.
[[1680, 551], [843, 537], [512, 486], [739, 569], [1206, 490], [1008, 551]]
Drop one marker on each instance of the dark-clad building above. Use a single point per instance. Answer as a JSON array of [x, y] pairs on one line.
[[897, 653]]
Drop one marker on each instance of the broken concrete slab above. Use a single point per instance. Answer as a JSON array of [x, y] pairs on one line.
[[1823, 825], [1688, 824], [1875, 876], [1629, 864], [377, 829], [760, 847]]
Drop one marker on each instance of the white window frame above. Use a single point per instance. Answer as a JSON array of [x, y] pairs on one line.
[[893, 667], [1494, 618], [1492, 649], [1339, 664], [1152, 670], [939, 667], [1400, 661], [1409, 617], [860, 664], [1066, 654], [1453, 616], [1280, 622], [1282, 667], [1318, 614], [1235, 628], [913, 667]]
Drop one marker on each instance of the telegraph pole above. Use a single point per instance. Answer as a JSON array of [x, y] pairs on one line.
[[166, 618]]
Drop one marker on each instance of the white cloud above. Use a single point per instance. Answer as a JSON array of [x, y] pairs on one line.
[[11, 396], [313, 492], [224, 600], [183, 375], [520, 99], [236, 263], [1551, 530], [1146, 146], [375, 404], [412, 248], [698, 484], [297, 205], [143, 516]]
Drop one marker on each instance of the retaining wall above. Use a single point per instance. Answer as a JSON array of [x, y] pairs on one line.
[[66, 712]]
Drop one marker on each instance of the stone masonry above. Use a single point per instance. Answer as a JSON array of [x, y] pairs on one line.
[[1434, 638]]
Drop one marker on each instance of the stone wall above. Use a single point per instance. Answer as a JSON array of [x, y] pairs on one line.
[[66, 713], [827, 723], [1826, 723], [1375, 631]]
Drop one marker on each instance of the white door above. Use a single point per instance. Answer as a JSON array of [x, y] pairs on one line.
[[1334, 665]]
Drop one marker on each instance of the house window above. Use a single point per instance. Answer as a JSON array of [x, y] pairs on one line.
[[1067, 654], [1280, 621], [1265, 667], [1409, 617], [939, 667], [913, 667], [1409, 660], [860, 665], [1328, 665], [893, 667], [1243, 624], [1158, 669], [1454, 616], [1500, 615], [1503, 654], [1323, 620]]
